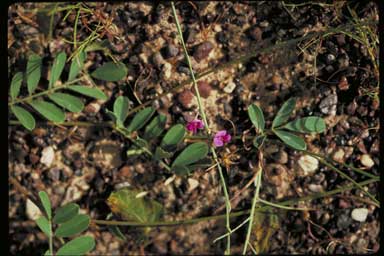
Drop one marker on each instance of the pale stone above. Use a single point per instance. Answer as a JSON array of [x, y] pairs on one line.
[[367, 161], [192, 184], [33, 212], [359, 214], [308, 164], [338, 156], [230, 87], [47, 156]]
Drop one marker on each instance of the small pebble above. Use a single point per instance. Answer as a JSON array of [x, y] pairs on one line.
[[171, 51], [256, 34], [308, 164], [315, 188], [338, 155], [185, 98], [367, 161], [204, 89], [359, 214], [33, 212], [47, 156], [330, 58], [192, 184], [157, 59], [202, 51], [230, 87], [343, 84], [328, 105], [166, 71]]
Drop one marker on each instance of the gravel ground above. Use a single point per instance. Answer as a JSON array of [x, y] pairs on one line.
[[334, 78]]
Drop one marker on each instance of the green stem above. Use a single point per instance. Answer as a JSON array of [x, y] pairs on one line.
[[377, 203], [282, 206], [233, 214], [252, 214], [50, 237], [59, 87], [202, 113]]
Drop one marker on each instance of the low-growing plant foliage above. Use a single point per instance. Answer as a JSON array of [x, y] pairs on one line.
[[66, 222]]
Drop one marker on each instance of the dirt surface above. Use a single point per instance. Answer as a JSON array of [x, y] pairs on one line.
[[333, 77]]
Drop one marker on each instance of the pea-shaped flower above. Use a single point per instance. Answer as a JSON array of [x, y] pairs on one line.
[[194, 125], [221, 137]]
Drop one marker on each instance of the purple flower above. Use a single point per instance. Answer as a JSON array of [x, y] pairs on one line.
[[194, 125], [221, 137]]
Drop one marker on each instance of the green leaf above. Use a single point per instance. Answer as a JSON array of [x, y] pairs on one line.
[[89, 91], [25, 118], [33, 72], [191, 154], [124, 203], [111, 72], [78, 246], [306, 125], [46, 203], [76, 66], [17, 79], [161, 153], [140, 119], [57, 68], [67, 101], [120, 109], [43, 224], [284, 113], [48, 253], [75, 225], [257, 117], [291, 139], [180, 170], [65, 213], [173, 137], [48, 110], [155, 127]]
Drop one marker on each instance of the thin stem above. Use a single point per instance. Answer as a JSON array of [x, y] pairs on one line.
[[59, 87], [252, 214], [377, 203], [233, 230], [202, 113], [50, 241], [284, 207]]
